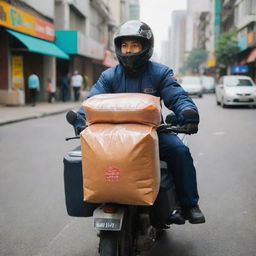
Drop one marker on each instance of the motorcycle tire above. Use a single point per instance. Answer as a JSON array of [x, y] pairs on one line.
[[119, 243], [126, 245], [109, 243]]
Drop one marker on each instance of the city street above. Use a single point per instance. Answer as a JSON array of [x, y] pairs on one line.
[[33, 218]]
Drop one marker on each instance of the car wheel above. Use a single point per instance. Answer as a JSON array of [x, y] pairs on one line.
[[200, 95], [217, 102]]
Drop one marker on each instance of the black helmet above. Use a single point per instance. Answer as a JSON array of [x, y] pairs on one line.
[[142, 32]]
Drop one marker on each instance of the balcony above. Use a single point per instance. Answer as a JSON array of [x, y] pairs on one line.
[[101, 7]]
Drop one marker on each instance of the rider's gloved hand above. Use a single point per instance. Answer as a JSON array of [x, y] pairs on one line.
[[79, 125], [190, 121], [77, 120]]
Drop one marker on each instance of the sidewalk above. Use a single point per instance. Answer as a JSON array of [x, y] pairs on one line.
[[11, 114]]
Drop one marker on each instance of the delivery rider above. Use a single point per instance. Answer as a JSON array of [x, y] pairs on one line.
[[135, 73]]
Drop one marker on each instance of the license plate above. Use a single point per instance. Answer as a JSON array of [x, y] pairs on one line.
[[244, 99], [107, 224]]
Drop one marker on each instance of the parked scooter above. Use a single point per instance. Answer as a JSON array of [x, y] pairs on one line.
[[123, 230]]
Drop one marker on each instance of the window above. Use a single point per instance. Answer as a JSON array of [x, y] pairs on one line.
[[231, 82], [252, 7], [77, 22]]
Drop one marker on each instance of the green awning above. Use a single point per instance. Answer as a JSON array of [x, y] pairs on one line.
[[38, 45]]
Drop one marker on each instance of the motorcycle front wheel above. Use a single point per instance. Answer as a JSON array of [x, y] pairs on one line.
[[109, 243], [120, 243]]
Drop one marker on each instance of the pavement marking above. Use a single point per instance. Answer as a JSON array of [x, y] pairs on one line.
[[56, 237], [219, 133]]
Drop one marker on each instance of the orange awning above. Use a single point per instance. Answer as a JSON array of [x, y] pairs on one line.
[[108, 60], [252, 56]]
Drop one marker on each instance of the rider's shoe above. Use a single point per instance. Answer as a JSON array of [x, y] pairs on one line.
[[176, 217], [194, 215]]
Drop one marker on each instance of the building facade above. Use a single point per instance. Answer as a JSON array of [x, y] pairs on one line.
[[84, 30], [245, 23], [177, 40], [27, 46], [53, 38], [194, 10]]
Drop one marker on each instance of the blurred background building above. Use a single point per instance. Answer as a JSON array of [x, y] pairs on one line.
[[54, 37], [206, 22]]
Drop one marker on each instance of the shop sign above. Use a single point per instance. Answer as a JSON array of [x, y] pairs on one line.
[[16, 19], [17, 72], [251, 38], [211, 62], [239, 69]]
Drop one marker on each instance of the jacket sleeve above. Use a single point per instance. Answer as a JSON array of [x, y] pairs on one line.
[[103, 85], [175, 98]]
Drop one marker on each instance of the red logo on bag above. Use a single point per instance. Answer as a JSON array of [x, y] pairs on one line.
[[112, 174]]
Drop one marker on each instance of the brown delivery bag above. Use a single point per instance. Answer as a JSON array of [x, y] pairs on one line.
[[120, 164], [123, 108]]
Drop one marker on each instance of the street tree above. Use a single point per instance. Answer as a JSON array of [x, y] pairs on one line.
[[196, 58], [227, 49]]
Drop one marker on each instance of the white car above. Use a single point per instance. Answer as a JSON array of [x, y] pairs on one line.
[[236, 90], [192, 85], [208, 83]]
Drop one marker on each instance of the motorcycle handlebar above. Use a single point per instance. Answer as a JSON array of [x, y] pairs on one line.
[[71, 117], [160, 129], [171, 128]]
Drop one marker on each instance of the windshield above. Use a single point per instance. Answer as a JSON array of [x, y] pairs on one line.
[[191, 80], [230, 82]]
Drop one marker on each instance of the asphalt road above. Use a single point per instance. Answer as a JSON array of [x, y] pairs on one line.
[[33, 219]]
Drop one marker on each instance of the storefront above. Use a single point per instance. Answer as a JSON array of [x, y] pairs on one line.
[[88, 56], [26, 46], [248, 59]]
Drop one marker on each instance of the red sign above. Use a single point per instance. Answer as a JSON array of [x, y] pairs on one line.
[[112, 174]]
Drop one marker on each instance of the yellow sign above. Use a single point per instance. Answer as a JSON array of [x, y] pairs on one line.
[[17, 72], [211, 62], [251, 38], [16, 19]]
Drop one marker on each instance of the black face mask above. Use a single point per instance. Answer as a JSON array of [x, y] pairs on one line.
[[133, 62]]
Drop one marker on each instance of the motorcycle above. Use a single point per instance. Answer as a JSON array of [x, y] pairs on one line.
[[123, 230]]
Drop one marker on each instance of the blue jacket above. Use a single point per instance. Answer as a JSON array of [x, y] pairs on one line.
[[155, 79]]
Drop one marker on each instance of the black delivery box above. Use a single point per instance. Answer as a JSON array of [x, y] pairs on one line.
[[73, 184]]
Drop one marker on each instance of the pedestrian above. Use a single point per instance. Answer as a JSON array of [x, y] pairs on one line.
[[77, 84], [51, 91], [34, 87], [134, 43], [86, 82], [65, 87]]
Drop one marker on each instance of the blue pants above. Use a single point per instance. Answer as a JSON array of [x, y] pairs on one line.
[[180, 163]]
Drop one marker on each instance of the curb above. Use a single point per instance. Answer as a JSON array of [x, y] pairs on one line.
[[44, 114]]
